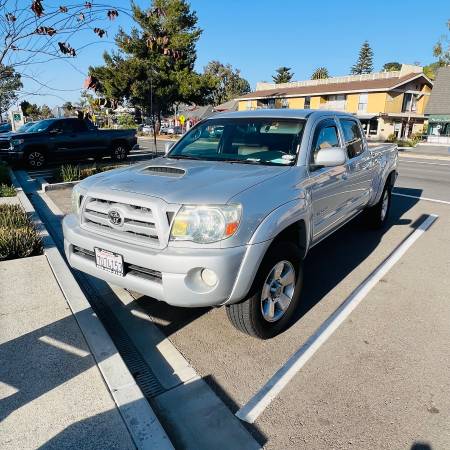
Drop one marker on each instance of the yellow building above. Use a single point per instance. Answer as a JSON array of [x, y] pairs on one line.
[[385, 102]]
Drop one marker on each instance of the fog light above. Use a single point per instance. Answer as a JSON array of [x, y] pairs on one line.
[[209, 277]]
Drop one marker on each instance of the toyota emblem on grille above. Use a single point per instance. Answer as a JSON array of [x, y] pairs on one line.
[[115, 217]]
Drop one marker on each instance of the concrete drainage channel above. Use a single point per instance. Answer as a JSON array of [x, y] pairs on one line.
[[190, 412]]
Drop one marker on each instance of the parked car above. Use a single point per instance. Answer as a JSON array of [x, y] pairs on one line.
[[5, 127], [147, 129], [228, 216], [64, 139]]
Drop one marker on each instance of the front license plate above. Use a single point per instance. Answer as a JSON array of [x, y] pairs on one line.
[[109, 261]]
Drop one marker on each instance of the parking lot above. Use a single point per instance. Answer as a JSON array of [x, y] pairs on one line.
[[381, 379]]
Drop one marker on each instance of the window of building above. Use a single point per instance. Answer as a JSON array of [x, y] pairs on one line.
[[249, 104], [409, 102], [336, 102], [353, 137], [362, 104], [325, 136], [284, 103], [307, 104]]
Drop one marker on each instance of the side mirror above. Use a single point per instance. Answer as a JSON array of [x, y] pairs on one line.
[[330, 157], [167, 147]]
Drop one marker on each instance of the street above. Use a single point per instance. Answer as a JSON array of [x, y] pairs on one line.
[[381, 380]]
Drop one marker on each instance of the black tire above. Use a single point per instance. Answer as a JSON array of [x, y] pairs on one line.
[[247, 315], [119, 151], [35, 159], [377, 216]]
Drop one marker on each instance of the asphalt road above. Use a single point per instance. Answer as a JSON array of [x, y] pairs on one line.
[[424, 178], [381, 380]]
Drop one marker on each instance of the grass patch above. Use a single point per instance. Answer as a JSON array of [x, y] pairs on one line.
[[70, 172], [6, 189], [18, 236]]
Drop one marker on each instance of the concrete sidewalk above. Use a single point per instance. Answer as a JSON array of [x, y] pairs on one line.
[[52, 394]]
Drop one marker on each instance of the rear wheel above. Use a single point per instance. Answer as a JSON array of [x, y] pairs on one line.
[[35, 159], [119, 151], [274, 296]]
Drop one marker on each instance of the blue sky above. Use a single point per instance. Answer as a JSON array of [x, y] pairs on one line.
[[257, 36]]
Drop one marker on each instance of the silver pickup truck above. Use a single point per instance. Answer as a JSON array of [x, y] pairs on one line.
[[228, 216]]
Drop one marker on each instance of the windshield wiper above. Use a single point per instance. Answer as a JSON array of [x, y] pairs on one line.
[[185, 157], [251, 161]]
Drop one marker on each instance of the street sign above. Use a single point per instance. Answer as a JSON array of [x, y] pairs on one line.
[[182, 119]]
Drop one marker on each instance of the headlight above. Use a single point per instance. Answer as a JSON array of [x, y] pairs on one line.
[[205, 224], [77, 198], [16, 142]]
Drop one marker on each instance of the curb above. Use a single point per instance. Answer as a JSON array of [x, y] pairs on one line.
[[46, 186], [139, 418]]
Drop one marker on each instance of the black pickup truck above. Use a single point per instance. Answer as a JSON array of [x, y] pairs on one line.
[[65, 139]]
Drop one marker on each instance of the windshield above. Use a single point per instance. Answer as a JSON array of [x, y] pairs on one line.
[[242, 140], [42, 125], [5, 127], [25, 127]]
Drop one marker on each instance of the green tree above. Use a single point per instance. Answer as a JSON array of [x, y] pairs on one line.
[[364, 64], [30, 110], [10, 84], [153, 68], [227, 82], [45, 112], [391, 66], [282, 75], [441, 49], [320, 74]]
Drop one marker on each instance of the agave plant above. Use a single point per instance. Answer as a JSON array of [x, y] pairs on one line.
[[69, 173]]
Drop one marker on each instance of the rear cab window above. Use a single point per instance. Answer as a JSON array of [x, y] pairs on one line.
[[353, 137]]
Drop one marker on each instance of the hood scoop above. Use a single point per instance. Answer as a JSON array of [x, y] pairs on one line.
[[164, 171]]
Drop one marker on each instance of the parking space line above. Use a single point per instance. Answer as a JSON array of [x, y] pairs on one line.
[[259, 402], [435, 200], [424, 162]]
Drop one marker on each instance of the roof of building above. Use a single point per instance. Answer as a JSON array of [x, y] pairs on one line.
[[348, 84], [230, 105], [439, 102]]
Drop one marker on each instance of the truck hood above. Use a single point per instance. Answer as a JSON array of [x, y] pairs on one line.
[[184, 181]]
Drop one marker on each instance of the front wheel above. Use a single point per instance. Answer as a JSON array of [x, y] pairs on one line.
[[274, 296], [119, 152], [35, 159], [377, 215]]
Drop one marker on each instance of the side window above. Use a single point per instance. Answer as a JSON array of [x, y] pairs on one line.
[[352, 137], [325, 136], [78, 126]]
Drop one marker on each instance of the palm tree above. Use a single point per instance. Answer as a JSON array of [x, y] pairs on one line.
[[320, 74]]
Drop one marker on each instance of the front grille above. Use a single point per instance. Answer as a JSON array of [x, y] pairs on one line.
[[4, 144], [130, 269], [137, 223]]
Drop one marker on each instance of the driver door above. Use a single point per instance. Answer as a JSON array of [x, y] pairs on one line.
[[327, 185]]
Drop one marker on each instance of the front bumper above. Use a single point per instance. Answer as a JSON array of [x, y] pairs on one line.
[[11, 155], [172, 274]]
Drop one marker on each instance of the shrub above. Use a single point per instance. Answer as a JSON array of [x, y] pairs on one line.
[[18, 236], [7, 191], [405, 143], [69, 172], [392, 138], [13, 216]]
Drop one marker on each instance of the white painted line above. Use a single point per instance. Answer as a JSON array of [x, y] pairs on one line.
[[63, 346], [421, 198], [259, 402], [423, 162]]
